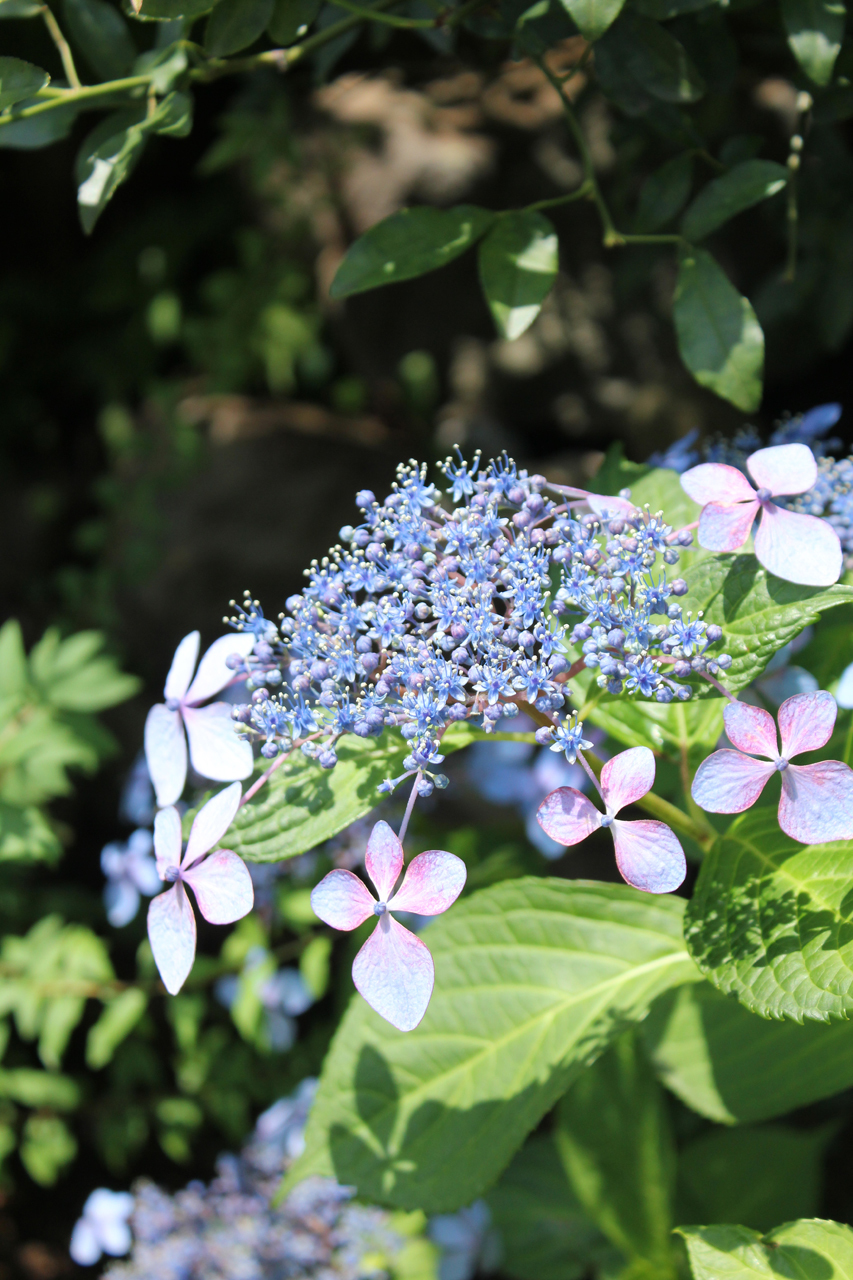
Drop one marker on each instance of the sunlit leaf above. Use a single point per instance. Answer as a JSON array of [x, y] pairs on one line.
[[719, 337]]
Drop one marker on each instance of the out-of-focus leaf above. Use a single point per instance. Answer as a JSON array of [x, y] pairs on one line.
[[291, 19], [593, 17], [40, 1089], [115, 1024], [47, 1147], [408, 244], [235, 24], [719, 337], [742, 187], [314, 965], [26, 835], [72, 675], [815, 30], [19, 80], [168, 10], [164, 65], [19, 9], [646, 52], [101, 33], [518, 261], [810, 1249], [664, 194], [13, 661], [41, 130], [664, 9]]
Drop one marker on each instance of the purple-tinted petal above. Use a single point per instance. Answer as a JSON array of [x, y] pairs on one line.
[[567, 816], [816, 804], [649, 856], [183, 665], [751, 729], [433, 881], [604, 504], [172, 934], [215, 750], [166, 753], [627, 778], [211, 822], [806, 722], [342, 900], [798, 548], [728, 782], [725, 528], [212, 674], [167, 840], [783, 468], [716, 482], [222, 886], [395, 974], [383, 859]]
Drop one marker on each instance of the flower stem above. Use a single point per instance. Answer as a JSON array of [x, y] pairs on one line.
[[64, 48], [413, 795]]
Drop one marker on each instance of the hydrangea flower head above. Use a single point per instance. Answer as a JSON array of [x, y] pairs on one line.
[[103, 1227], [816, 804], [648, 854], [130, 870], [394, 971], [799, 548], [221, 884], [215, 750]]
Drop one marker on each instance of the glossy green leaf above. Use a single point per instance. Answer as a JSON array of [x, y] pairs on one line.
[[664, 194], [593, 17], [291, 19], [100, 32], [235, 24], [115, 1024], [518, 261], [815, 30], [742, 187], [26, 835], [649, 55], [19, 80], [732, 1066], [534, 977], [769, 920], [810, 1249], [614, 1138], [408, 244], [719, 337]]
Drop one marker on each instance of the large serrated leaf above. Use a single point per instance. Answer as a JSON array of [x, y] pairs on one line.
[[810, 1249], [534, 977], [719, 337], [742, 187]]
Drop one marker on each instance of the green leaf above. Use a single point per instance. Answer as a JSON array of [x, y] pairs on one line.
[[115, 1024], [40, 131], [170, 10], [40, 1089], [662, 10], [671, 729], [742, 187], [664, 194], [13, 660], [235, 24], [102, 35], [291, 19], [534, 977], [47, 1147], [811, 1249], [314, 965], [19, 80], [593, 17], [719, 337], [408, 244], [544, 1232], [614, 1138], [26, 835], [651, 55], [815, 30], [518, 261], [73, 676], [769, 920], [730, 1065], [19, 8]]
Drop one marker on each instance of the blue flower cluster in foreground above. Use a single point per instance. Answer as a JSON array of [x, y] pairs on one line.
[[430, 612]]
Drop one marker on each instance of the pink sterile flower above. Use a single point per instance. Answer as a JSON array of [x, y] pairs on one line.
[[648, 854], [393, 970], [816, 804], [221, 884], [799, 548], [215, 750]]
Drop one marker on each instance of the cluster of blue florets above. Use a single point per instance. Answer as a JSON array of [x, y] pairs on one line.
[[428, 614]]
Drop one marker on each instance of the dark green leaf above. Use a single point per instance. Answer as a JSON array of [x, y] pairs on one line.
[[115, 1024], [41, 130], [742, 187], [534, 977], [105, 160], [164, 65], [518, 262], [102, 35], [235, 24], [19, 9], [719, 337], [664, 194], [810, 1249], [291, 19], [19, 80], [408, 244], [658, 63], [815, 31], [664, 9], [173, 117], [169, 10], [593, 17], [741, 146]]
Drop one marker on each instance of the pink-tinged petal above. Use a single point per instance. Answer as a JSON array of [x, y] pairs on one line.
[[172, 934], [649, 856], [395, 974], [211, 822], [433, 881], [798, 548], [725, 528], [222, 886], [166, 753], [783, 468], [167, 840], [604, 504], [728, 782], [342, 900], [716, 482], [816, 804], [215, 750], [383, 859], [212, 674], [806, 722], [567, 816], [751, 729], [627, 777], [183, 665]]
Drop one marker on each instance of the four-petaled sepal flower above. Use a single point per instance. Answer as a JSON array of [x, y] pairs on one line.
[[393, 970], [816, 804], [221, 884], [799, 548], [648, 854]]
